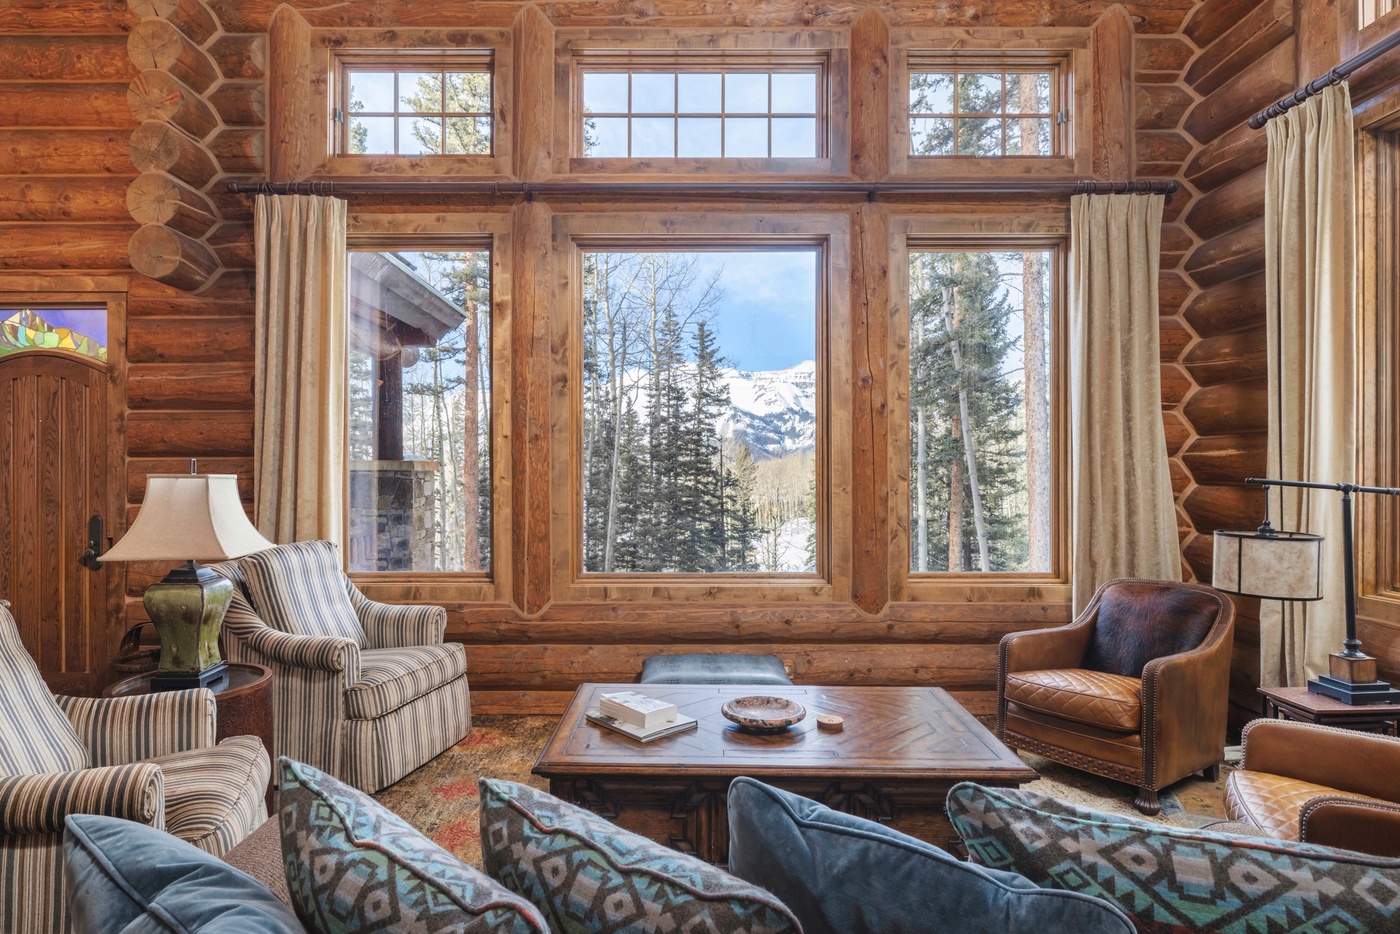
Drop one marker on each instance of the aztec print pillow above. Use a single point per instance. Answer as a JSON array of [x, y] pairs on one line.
[[354, 866], [591, 877], [1174, 880]]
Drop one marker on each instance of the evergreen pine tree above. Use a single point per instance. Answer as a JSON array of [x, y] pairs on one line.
[[957, 303]]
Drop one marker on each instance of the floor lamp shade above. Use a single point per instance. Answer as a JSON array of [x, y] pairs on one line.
[[186, 517], [1271, 565]]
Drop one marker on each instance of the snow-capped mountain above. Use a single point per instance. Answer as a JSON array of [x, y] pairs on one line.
[[775, 411]]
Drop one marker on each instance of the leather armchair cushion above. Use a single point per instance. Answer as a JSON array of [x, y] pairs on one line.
[[1138, 621], [1108, 701], [1273, 803]]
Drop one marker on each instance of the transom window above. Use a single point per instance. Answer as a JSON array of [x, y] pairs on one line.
[[738, 111], [79, 331], [973, 110], [428, 107], [981, 409]]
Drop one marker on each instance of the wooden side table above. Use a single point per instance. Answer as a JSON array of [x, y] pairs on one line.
[[242, 701], [1307, 707]]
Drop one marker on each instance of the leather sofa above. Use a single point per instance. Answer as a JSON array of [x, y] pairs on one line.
[[1135, 689], [1317, 784]]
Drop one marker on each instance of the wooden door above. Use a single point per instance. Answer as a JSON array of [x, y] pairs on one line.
[[55, 420]]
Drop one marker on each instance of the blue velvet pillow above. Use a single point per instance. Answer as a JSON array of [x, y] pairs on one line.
[[127, 878], [842, 874], [355, 866], [590, 876]]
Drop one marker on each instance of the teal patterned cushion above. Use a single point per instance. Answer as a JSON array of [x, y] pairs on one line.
[[1173, 880], [353, 866], [591, 877]]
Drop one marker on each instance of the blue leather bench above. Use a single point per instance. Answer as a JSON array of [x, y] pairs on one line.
[[714, 669]]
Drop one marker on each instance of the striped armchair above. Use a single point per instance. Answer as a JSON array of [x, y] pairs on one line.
[[149, 759], [365, 691]]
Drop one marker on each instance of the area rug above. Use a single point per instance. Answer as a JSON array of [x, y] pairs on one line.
[[440, 799]]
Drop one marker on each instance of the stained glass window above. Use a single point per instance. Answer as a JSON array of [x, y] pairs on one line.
[[80, 331]]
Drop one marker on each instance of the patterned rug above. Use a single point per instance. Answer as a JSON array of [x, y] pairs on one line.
[[440, 798]]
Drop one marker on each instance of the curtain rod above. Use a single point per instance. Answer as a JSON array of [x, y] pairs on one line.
[[1317, 85], [530, 190]]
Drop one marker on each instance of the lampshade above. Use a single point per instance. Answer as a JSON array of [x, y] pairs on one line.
[[1272, 565], [189, 516]]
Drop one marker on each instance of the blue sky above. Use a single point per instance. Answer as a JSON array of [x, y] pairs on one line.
[[768, 318]]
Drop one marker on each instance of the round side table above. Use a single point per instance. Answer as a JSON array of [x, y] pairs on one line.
[[242, 701]]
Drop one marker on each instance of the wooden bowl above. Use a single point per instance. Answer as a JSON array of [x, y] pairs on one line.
[[761, 713]]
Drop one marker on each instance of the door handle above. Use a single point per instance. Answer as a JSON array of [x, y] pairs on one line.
[[94, 548]]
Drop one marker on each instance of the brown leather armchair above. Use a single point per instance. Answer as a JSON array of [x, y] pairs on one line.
[[1135, 689], [1319, 784]]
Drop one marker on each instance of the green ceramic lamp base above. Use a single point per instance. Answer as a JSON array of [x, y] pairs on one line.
[[187, 610]]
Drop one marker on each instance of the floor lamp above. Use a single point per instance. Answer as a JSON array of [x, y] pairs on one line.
[[1277, 565]]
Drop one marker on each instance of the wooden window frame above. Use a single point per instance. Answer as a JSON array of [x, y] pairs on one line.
[[831, 235], [1378, 333], [1069, 51], [404, 231], [445, 61], [333, 49], [1042, 227], [577, 51]]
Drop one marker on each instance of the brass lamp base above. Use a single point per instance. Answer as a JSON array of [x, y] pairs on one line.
[[187, 610], [1352, 679]]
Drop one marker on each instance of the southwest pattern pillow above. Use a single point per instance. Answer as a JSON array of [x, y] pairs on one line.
[[591, 877], [1172, 880], [353, 866]]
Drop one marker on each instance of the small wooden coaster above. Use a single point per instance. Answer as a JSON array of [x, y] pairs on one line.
[[830, 723]]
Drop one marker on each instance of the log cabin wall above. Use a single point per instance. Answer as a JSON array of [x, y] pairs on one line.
[[1193, 70]]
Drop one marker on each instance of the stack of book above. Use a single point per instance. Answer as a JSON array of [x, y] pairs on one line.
[[640, 717]]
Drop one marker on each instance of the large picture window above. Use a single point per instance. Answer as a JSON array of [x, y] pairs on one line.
[[980, 410], [699, 419], [420, 411]]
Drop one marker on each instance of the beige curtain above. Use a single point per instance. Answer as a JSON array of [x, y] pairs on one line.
[[1309, 241], [1123, 521], [302, 358]]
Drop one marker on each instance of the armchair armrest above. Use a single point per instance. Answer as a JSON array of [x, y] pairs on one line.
[[1185, 705], [1364, 764], [320, 653], [31, 804], [119, 730], [392, 626], [1351, 824]]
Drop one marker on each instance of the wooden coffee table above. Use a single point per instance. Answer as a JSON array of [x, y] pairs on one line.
[[902, 749]]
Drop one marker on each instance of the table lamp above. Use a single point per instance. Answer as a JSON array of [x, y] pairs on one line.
[[186, 517], [1279, 565]]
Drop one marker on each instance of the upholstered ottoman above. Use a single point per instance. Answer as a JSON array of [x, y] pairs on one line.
[[714, 669]]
